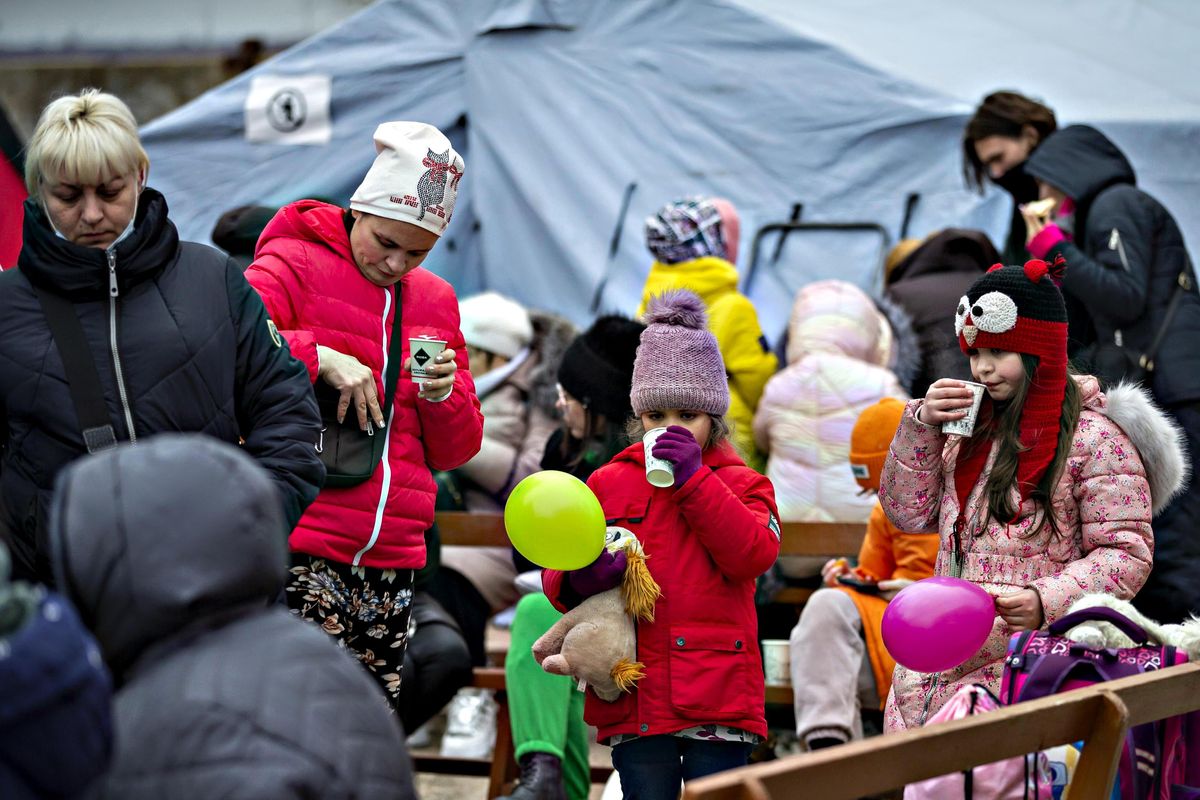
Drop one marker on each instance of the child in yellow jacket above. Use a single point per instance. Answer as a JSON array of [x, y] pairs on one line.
[[839, 663], [694, 243]]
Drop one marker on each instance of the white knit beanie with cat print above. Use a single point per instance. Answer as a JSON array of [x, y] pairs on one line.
[[414, 178]]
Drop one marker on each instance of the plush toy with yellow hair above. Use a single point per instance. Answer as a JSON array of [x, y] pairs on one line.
[[596, 642]]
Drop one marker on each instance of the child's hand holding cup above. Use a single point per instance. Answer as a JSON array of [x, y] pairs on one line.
[[659, 471], [952, 404]]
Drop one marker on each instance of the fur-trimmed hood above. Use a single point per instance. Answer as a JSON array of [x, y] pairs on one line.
[[905, 360], [551, 336], [1159, 440]]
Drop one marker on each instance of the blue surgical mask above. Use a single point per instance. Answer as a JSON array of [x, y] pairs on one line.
[[128, 228]]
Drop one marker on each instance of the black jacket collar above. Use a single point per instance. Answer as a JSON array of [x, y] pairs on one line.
[[81, 273]]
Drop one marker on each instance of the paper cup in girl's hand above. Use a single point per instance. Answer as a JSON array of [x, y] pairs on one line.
[[966, 425], [659, 472], [424, 351]]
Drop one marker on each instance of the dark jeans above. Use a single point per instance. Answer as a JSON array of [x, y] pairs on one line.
[[651, 767]]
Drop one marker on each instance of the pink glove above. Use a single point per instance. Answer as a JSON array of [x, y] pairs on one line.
[[678, 446], [601, 575]]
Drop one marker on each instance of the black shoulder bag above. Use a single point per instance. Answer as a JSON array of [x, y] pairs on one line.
[[83, 380], [1113, 361], [349, 453]]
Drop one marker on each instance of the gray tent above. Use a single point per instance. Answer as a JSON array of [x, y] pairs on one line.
[[577, 119]]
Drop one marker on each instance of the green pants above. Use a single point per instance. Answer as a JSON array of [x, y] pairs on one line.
[[546, 710]]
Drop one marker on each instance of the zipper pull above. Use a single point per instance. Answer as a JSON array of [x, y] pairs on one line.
[[1113, 239], [112, 274]]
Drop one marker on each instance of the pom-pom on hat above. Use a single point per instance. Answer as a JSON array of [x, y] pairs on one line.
[[494, 323], [678, 362], [1021, 310], [597, 367], [870, 439], [414, 178]]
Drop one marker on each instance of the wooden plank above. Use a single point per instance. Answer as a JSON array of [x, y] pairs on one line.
[[452, 765], [779, 695], [797, 538], [1097, 767], [504, 771], [471, 530], [883, 763], [488, 678], [886, 762], [1149, 699], [822, 538], [793, 595]]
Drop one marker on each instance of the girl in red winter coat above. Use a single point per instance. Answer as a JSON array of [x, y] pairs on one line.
[[707, 537]]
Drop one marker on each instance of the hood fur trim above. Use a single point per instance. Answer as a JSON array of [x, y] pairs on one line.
[[551, 336], [1158, 438]]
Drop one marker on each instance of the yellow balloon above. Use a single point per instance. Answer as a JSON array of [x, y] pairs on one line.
[[555, 521]]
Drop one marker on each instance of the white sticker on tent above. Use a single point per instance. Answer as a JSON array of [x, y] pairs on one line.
[[289, 109]]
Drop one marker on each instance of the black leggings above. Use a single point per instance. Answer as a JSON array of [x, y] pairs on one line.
[[437, 663], [466, 605]]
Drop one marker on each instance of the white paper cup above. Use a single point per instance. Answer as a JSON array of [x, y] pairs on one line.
[[424, 350], [966, 425], [777, 662], [659, 473]]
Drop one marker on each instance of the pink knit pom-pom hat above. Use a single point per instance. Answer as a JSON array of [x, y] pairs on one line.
[[678, 363]]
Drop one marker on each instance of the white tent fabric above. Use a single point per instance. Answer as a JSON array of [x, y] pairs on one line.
[[577, 120]]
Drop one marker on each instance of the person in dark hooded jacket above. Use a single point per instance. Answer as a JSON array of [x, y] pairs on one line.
[[178, 339], [55, 696], [1128, 266], [927, 284], [220, 692]]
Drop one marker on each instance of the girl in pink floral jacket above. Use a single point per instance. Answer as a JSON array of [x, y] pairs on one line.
[[1052, 495]]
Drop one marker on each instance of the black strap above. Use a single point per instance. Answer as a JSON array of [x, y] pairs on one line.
[[82, 378], [395, 356], [1183, 284]]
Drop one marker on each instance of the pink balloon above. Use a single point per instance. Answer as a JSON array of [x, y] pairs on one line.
[[937, 624]]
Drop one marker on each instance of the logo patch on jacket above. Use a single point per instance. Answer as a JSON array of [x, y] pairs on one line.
[[274, 333], [773, 525]]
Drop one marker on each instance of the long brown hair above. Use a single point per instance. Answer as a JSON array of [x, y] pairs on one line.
[[1002, 114], [602, 439], [1005, 429]]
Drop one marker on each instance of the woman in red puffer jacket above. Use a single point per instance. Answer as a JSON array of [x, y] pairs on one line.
[[332, 281]]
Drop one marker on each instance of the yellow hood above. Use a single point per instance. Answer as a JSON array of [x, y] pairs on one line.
[[709, 277]]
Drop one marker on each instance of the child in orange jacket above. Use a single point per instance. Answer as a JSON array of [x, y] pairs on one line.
[[838, 659]]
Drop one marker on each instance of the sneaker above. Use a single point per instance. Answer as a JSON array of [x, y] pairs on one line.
[[470, 725], [528, 582], [504, 619], [420, 737]]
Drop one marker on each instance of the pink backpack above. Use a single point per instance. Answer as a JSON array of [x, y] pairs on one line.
[[1018, 778], [1160, 759]]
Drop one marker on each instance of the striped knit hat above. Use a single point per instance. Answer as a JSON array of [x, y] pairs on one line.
[[1020, 309]]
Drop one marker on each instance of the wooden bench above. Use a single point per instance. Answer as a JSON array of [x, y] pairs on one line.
[[1099, 715], [487, 530]]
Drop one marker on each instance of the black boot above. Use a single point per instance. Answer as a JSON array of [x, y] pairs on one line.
[[541, 779]]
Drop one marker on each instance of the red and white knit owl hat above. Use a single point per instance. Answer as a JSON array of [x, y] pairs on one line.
[[1021, 310]]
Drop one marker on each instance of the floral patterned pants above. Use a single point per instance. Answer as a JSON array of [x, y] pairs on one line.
[[366, 609]]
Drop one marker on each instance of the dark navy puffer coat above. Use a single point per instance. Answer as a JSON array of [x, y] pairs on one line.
[[55, 706], [173, 551], [181, 343]]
